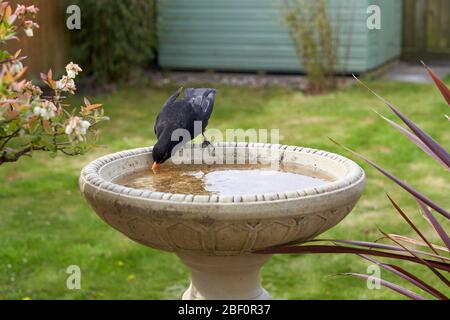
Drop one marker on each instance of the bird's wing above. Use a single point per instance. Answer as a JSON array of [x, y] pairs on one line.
[[169, 102], [155, 128], [202, 101]]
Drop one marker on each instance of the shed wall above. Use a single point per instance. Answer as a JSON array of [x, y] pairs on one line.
[[250, 35]]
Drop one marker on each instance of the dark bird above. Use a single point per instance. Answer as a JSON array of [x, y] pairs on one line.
[[196, 106]]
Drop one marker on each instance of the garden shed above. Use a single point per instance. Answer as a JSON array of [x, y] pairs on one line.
[[251, 35]]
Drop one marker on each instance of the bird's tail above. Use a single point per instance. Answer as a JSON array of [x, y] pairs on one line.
[[173, 97]]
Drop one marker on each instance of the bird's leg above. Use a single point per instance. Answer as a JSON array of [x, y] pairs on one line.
[[206, 143]]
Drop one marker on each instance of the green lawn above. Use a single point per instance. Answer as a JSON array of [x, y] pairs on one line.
[[46, 225]]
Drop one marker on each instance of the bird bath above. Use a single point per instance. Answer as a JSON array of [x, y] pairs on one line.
[[215, 234]]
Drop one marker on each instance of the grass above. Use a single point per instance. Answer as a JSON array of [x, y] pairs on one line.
[[46, 226]]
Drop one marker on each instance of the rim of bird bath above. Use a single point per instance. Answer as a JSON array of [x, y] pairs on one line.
[[216, 235]]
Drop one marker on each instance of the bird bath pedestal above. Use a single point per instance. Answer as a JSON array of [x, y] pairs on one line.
[[215, 236]]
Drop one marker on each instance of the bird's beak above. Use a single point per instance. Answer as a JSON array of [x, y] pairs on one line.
[[155, 166]]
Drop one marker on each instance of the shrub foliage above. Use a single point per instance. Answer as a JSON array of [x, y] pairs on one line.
[[117, 38], [29, 119]]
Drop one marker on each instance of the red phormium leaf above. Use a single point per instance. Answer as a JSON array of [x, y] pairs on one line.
[[435, 147], [390, 285], [440, 231], [382, 246], [412, 225], [439, 83], [321, 249], [431, 267], [402, 184], [408, 277], [415, 242], [416, 140]]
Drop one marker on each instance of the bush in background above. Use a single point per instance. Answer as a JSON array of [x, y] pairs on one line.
[[117, 38], [310, 29], [316, 35]]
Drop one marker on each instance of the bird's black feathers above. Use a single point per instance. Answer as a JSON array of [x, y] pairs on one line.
[[169, 101], [196, 106], [202, 100]]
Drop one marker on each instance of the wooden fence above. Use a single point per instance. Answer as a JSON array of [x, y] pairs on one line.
[[50, 45], [426, 29]]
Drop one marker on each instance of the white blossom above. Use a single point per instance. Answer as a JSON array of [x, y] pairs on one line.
[[66, 84], [20, 11], [29, 32], [32, 10], [46, 110], [17, 67], [29, 26], [34, 90], [77, 128], [73, 70]]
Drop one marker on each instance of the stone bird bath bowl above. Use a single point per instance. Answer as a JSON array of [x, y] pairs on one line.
[[216, 235]]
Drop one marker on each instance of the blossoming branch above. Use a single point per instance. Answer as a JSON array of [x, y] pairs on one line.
[[30, 121]]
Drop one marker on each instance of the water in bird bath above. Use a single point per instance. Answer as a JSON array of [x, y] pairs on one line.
[[226, 179]]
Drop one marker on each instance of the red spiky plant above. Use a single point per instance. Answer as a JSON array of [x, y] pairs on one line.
[[435, 257]]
